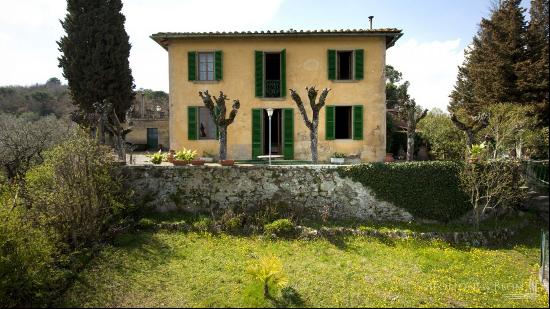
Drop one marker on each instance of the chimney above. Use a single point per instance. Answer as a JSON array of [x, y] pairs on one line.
[[370, 21]]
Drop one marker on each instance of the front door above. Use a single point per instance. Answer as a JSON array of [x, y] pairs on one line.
[[276, 132], [152, 138]]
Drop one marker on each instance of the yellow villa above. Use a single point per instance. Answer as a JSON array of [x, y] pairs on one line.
[[258, 68]]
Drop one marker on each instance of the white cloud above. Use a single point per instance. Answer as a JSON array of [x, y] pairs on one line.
[[431, 68], [29, 30]]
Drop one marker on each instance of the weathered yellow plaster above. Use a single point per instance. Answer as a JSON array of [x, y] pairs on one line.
[[306, 65]]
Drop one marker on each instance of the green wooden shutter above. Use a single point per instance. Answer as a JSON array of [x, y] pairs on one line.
[[259, 63], [257, 114], [283, 73], [358, 122], [288, 133], [218, 65], [192, 65], [329, 120], [331, 64], [359, 63], [192, 113]]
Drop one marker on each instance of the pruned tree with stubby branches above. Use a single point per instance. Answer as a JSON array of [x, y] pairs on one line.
[[471, 127], [412, 114], [316, 106], [218, 111]]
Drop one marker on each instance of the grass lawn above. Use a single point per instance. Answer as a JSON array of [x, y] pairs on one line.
[[174, 269]]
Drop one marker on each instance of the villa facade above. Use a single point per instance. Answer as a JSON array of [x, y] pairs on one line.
[[258, 68]]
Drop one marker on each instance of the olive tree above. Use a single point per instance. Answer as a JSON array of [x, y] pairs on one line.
[[23, 141]]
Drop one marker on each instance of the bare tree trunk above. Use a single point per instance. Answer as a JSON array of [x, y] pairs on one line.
[[410, 146], [223, 143], [313, 146]]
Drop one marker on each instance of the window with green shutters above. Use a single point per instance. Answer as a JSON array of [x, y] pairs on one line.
[[257, 116], [205, 66], [358, 122], [338, 69], [192, 113], [288, 133], [270, 74], [329, 122]]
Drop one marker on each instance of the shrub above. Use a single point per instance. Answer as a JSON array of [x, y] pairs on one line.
[[202, 225], [493, 185], [75, 191], [232, 223], [281, 228], [27, 254], [428, 190], [146, 224]]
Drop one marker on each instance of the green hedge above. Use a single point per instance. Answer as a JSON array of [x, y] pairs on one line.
[[428, 189]]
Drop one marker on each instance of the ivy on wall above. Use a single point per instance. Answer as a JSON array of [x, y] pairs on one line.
[[428, 190]]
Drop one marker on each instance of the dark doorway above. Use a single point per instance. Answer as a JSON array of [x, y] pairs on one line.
[[342, 122], [273, 75], [152, 138], [276, 132]]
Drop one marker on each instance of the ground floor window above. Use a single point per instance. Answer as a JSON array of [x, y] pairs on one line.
[[206, 125], [342, 122]]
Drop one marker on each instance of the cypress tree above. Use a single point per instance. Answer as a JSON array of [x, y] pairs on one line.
[[95, 51], [534, 71], [489, 74]]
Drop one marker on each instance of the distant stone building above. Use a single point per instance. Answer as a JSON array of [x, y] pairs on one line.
[[148, 118]]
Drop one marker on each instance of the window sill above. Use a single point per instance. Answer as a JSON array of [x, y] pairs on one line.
[[272, 99], [205, 81], [345, 81]]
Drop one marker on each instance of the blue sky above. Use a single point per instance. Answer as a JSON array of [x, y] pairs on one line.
[[436, 33]]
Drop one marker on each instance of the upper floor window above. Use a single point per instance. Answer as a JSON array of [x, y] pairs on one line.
[[206, 66], [270, 74], [344, 67], [346, 64]]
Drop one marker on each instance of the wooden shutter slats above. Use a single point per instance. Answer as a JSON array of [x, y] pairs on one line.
[[192, 65], [288, 134], [329, 122], [358, 122]]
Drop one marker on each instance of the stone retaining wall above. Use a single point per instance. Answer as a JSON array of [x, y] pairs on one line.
[[316, 189]]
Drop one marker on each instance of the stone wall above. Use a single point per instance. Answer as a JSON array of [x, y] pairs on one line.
[[315, 189]]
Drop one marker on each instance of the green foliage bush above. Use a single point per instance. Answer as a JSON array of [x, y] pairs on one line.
[[280, 228], [203, 224], [75, 191], [428, 189], [146, 224], [27, 255]]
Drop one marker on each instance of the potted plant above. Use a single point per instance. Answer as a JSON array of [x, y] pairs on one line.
[[207, 157], [389, 157], [338, 158], [157, 157], [183, 157], [227, 162]]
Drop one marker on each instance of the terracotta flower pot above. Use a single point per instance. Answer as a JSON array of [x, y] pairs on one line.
[[227, 162], [171, 154], [197, 162], [180, 162], [389, 157]]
